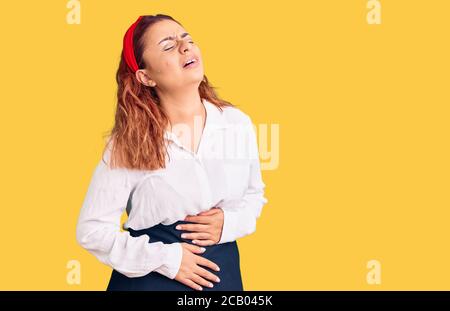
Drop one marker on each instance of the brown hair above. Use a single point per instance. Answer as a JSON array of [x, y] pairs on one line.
[[138, 134]]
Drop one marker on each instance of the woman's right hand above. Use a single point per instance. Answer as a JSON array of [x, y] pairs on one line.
[[190, 272]]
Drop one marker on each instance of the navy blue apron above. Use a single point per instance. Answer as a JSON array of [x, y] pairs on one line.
[[225, 255]]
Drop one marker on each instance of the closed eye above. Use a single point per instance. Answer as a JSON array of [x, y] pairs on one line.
[[169, 48]]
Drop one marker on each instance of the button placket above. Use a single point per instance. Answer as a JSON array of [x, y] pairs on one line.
[[205, 189], [201, 173]]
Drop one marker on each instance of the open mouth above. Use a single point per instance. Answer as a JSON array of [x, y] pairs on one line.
[[190, 62]]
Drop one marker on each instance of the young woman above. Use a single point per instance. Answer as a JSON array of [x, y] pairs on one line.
[[184, 165]]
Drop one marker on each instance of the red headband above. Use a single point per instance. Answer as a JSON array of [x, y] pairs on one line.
[[128, 50]]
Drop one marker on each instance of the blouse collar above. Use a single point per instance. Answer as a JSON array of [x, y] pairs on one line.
[[215, 120]]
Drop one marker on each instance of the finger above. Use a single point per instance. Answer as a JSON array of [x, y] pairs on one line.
[[191, 284], [194, 248], [206, 274], [206, 213], [193, 227], [194, 236], [207, 263], [201, 281], [211, 211], [199, 219], [203, 242]]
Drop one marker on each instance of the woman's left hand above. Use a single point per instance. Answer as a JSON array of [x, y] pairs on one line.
[[207, 229]]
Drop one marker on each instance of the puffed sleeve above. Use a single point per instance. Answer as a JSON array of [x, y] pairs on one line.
[[98, 227], [240, 215]]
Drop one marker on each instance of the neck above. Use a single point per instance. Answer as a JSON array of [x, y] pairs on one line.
[[182, 107]]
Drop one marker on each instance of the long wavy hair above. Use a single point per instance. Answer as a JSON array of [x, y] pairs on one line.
[[136, 140]]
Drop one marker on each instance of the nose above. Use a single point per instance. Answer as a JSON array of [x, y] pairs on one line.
[[184, 46]]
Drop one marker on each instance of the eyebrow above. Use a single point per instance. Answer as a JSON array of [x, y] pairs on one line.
[[173, 38]]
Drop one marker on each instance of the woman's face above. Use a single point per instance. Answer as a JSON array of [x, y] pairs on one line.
[[167, 48]]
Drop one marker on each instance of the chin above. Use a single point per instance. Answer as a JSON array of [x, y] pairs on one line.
[[197, 78]]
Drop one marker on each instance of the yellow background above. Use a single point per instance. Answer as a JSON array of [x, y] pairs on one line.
[[364, 134]]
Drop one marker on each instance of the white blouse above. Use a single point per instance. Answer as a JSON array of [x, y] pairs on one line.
[[225, 172]]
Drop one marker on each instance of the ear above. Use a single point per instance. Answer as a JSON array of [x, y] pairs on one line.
[[142, 77]]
